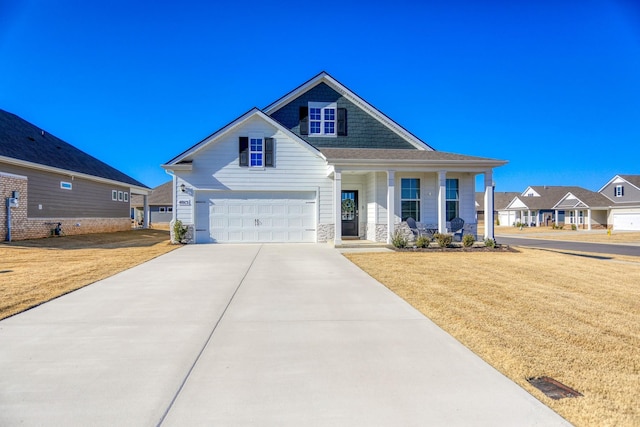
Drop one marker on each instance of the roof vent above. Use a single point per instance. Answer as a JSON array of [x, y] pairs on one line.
[[42, 132]]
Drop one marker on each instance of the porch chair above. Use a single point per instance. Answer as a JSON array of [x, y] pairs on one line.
[[457, 228], [413, 225]]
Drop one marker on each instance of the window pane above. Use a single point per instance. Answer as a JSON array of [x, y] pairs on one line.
[[410, 209], [329, 114], [452, 189], [256, 144], [452, 210], [314, 114], [314, 127], [410, 198], [329, 127], [256, 159]]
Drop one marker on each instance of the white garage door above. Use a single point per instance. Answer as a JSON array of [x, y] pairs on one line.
[[249, 217], [626, 221]]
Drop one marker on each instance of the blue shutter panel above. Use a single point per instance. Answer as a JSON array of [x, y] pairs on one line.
[[304, 120], [268, 152], [243, 151], [342, 121]]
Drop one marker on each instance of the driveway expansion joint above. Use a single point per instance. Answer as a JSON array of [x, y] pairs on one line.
[[206, 343]]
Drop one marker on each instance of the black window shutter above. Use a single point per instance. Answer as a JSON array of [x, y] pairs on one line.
[[243, 150], [342, 121], [622, 190], [268, 152], [304, 120]]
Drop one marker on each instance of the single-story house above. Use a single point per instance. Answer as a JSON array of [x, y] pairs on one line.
[[160, 206], [561, 205], [624, 193], [51, 187], [321, 164]]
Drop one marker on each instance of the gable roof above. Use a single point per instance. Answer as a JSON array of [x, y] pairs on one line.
[[583, 198], [32, 146], [631, 179], [186, 155], [501, 199], [550, 195], [324, 77]]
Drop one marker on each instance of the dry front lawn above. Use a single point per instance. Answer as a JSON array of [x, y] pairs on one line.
[[534, 313], [35, 271]]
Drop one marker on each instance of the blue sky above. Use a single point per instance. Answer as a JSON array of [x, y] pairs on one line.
[[551, 86]]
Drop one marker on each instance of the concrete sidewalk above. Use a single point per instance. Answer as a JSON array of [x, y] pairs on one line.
[[246, 335]]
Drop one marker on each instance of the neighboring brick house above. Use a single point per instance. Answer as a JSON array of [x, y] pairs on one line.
[[59, 188], [624, 193], [160, 206]]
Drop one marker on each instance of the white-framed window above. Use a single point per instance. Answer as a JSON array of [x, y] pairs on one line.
[[169, 209], [66, 185], [114, 195], [322, 118], [619, 191], [126, 196], [162, 209], [410, 198], [256, 152], [120, 196], [453, 198]]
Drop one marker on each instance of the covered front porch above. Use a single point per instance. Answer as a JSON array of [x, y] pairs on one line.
[[371, 204]]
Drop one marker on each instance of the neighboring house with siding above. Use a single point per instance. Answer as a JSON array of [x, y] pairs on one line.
[[623, 191], [160, 206], [51, 182], [562, 205], [321, 164]]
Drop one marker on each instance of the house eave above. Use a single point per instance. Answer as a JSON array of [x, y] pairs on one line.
[[134, 189]]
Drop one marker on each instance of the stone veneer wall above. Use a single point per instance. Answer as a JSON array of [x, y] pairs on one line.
[[326, 232], [23, 227]]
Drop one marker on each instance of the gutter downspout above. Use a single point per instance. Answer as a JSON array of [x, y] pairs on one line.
[[8, 219]]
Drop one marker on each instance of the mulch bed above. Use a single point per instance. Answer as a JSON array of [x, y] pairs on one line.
[[458, 248]]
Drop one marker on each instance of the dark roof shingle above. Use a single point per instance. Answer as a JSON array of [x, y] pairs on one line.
[[24, 141]]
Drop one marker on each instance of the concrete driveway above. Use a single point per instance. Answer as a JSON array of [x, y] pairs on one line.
[[238, 335]]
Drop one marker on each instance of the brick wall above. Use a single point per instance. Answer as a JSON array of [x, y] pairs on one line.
[[23, 227]]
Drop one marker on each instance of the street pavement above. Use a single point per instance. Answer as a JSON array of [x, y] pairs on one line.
[[563, 245], [244, 335]]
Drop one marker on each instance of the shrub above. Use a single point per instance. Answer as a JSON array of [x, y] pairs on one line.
[[179, 231], [490, 243], [468, 240], [422, 242], [399, 240], [443, 240], [573, 227]]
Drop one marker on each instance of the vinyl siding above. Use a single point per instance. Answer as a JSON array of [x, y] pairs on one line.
[[631, 193], [363, 131], [86, 199], [295, 169]]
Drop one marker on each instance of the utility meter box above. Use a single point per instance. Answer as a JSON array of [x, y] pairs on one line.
[[12, 202]]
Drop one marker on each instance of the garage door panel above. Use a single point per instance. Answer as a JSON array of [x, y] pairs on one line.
[[626, 222], [262, 217]]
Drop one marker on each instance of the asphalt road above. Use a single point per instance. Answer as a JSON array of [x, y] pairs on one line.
[[599, 248]]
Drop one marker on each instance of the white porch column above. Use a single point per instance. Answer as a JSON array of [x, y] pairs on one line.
[[337, 207], [528, 216], [147, 211], [488, 205], [442, 202], [391, 205], [575, 217], [588, 219], [557, 219]]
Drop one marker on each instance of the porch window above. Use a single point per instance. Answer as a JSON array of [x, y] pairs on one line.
[[453, 199], [410, 198]]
